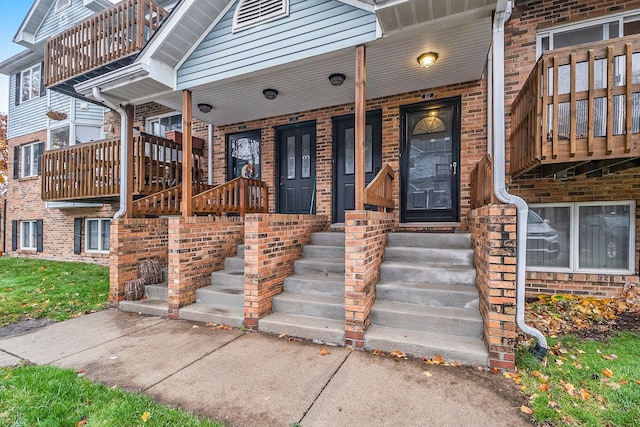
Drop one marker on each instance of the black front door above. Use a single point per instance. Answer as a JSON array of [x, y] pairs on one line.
[[296, 178], [344, 159], [430, 161]]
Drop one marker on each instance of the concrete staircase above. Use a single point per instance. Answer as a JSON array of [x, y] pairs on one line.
[[311, 305], [426, 300], [156, 301], [222, 302]]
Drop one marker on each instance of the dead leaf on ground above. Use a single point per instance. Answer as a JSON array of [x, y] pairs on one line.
[[282, 335], [584, 394], [83, 421], [145, 416], [437, 360], [324, 351], [427, 374], [526, 410], [293, 339], [569, 389], [610, 357], [607, 372], [398, 354], [544, 387], [379, 353]]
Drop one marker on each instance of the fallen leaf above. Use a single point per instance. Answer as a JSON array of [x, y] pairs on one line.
[[544, 387], [507, 375], [398, 354], [379, 353], [610, 357], [614, 386], [426, 373], [145, 416], [607, 372], [83, 421], [282, 335], [495, 371], [569, 389], [526, 410], [584, 394], [636, 381], [324, 351], [195, 326], [293, 339]]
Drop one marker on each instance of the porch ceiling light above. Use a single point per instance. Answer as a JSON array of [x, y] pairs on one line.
[[426, 60], [337, 79], [270, 94], [205, 108]]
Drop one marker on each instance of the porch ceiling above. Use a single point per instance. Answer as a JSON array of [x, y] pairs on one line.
[[462, 42]]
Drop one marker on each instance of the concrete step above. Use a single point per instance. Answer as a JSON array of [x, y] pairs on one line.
[[230, 279], [322, 266], [429, 255], [320, 330], [158, 291], [315, 284], [220, 296], [450, 295], [207, 313], [234, 263], [468, 351], [240, 253], [152, 307], [442, 320], [393, 271], [430, 240], [323, 251], [327, 238], [309, 305]]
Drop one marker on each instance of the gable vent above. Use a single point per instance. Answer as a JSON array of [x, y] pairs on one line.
[[250, 13]]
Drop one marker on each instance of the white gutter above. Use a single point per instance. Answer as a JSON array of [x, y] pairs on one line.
[[210, 155], [499, 186], [124, 144]]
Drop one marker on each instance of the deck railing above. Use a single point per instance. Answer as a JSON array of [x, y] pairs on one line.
[[92, 170], [482, 183], [240, 195], [379, 192], [107, 36], [165, 202], [578, 104]]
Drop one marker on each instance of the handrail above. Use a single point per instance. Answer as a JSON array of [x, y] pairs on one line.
[[482, 183], [165, 202], [379, 192], [240, 195], [106, 36]]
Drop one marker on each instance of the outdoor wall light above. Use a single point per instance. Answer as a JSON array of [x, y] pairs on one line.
[[337, 79], [205, 108], [426, 60], [270, 93]]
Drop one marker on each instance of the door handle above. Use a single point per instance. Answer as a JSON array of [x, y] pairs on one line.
[[454, 167], [282, 181]]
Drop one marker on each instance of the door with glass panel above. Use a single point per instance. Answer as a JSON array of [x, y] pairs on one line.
[[430, 161], [296, 168], [344, 159]]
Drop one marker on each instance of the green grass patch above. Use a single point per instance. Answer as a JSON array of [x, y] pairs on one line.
[[31, 288], [585, 383], [50, 396]]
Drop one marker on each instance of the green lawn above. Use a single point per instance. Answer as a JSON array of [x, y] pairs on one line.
[[31, 288], [50, 396]]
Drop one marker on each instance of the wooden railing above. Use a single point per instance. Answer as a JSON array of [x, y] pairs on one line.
[[379, 192], [165, 202], [240, 195], [105, 37], [92, 170], [482, 183], [579, 104]]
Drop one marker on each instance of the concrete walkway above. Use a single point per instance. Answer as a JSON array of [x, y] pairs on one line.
[[250, 379]]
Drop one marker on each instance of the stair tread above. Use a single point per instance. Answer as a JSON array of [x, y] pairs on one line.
[[310, 298], [335, 278], [431, 286], [321, 260], [435, 311], [430, 265], [221, 289], [200, 307]]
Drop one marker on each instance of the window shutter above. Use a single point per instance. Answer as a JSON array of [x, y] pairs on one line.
[[39, 235], [16, 162], [77, 236], [43, 88], [14, 235], [40, 150], [17, 99]]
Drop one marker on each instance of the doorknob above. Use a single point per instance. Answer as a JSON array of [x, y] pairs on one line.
[[454, 166], [282, 181]]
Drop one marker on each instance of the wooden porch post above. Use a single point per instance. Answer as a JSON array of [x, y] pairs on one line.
[[130, 162], [360, 123], [187, 156]]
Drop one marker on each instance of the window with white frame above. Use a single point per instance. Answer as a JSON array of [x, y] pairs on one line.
[[595, 30], [30, 83], [62, 136], [31, 158], [59, 137], [87, 133], [28, 235], [160, 125], [97, 235], [590, 237]]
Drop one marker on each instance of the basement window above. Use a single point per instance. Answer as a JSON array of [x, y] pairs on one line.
[[97, 237], [250, 13], [593, 237]]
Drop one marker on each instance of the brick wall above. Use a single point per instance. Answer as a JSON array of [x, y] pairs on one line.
[[493, 235], [197, 247], [272, 243], [365, 240], [133, 240]]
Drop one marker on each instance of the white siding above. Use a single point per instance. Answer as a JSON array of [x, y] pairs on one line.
[[313, 27], [92, 114]]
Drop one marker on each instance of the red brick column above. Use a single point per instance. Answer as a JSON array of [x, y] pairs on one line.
[[198, 246], [365, 240], [272, 243], [493, 233], [131, 241]]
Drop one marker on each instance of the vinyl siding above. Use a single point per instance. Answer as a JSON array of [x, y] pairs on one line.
[[313, 27], [27, 117], [56, 22], [93, 114]]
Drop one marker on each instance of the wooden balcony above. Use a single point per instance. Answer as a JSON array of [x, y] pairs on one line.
[[92, 171], [106, 41], [482, 183], [579, 111]]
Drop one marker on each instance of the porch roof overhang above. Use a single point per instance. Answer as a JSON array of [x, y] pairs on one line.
[[461, 38]]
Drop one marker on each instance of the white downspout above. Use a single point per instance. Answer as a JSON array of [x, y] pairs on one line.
[[541, 347], [210, 155], [124, 144]]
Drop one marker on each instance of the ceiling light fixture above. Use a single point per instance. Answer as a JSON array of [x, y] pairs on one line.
[[270, 94], [205, 108], [337, 79], [426, 60]]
